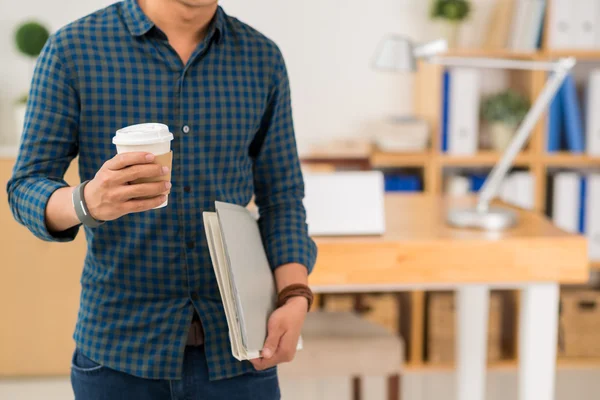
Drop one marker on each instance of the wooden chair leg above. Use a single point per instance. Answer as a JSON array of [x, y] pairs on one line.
[[393, 387], [356, 388]]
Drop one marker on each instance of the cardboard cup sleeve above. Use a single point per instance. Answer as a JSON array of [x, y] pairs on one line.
[[166, 160]]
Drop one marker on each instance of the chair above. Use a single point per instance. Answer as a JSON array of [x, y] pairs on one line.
[[341, 344]]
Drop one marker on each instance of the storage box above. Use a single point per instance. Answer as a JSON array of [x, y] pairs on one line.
[[381, 309], [440, 329], [579, 326]]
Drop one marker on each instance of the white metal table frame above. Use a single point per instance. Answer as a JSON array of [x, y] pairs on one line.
[[538, 333]]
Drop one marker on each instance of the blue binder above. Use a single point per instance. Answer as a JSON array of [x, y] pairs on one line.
[[445, 110], [402, 183], [572, 115], [555, 123]]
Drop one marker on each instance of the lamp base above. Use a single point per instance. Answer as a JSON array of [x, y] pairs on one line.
[[495, 219]]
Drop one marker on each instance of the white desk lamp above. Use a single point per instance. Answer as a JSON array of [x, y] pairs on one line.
[[397, 53]]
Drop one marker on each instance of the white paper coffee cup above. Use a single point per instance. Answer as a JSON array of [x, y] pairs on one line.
[[150, 137]]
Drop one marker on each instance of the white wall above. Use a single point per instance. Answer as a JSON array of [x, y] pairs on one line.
[[328, 46], [15, 69]]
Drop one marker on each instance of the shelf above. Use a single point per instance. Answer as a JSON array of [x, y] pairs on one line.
[[494, 53], [382, 159], [481, 159], [565, 159], [578, 54]]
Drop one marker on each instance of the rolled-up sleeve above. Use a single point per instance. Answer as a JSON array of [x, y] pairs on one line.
[[48, 144], [278, 182]]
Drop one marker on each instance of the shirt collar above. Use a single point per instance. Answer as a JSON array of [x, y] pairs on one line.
[[139, 24]]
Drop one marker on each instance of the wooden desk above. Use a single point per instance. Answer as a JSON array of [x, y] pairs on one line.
[[419, 251]]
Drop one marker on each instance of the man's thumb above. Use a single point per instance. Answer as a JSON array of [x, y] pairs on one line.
[[273, 337]]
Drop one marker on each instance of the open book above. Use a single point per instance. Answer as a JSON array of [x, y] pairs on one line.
[[245, 279]]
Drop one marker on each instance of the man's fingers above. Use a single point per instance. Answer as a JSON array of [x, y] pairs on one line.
[[124, 160], [260, 364], [133, 206], [139, 190], [139, 171], [272, 342]]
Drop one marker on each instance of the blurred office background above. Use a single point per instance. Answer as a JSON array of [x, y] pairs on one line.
[[349, 115]]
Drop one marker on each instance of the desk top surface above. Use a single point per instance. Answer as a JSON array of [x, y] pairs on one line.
[[419, 248], [412, 217]]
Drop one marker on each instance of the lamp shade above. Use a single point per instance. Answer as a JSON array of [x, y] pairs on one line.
[[398, 53], [395, 53]]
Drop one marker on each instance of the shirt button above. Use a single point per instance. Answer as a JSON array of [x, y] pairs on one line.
[[195, 296], [185, 129], [187, 189], [190, 245]]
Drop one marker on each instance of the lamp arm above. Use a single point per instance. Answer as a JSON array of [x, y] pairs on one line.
[[494, 180], [493, 63]]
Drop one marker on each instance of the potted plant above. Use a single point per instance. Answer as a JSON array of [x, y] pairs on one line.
[[503, 112], [30, 38], [450, 13]]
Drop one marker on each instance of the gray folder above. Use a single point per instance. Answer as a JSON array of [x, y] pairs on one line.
[[251, 277]]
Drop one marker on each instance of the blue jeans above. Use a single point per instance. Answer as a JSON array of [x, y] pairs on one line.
[[92, 381]]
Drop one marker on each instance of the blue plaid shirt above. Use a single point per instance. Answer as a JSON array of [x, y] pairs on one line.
[[229, 110]]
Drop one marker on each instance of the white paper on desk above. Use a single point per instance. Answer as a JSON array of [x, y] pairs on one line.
[[345, 203]]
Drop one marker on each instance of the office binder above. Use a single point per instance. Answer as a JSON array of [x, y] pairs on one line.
[[585, 21], [518, 190], [566, 201], [592, 216], [572, 115], [445, 111], [592, 129], [560, 24], [244, 277], [555, 123], [463, 122], [527, 22]]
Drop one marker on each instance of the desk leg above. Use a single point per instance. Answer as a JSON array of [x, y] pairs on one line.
[[471, 341], [538, 331]]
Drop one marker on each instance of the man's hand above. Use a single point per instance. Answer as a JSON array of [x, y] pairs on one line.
[[283, 332], [110, 195]]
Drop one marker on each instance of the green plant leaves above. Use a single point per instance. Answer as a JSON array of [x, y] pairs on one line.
[[31, 37], [452, 10], [508, 107]]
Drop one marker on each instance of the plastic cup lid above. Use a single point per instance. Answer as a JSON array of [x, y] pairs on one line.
[[141, 134]]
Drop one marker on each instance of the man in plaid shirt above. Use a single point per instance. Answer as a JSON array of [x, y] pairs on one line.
[[151, 323]]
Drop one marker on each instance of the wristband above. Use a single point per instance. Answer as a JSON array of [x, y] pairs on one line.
[[83, 214], [295, 290]]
